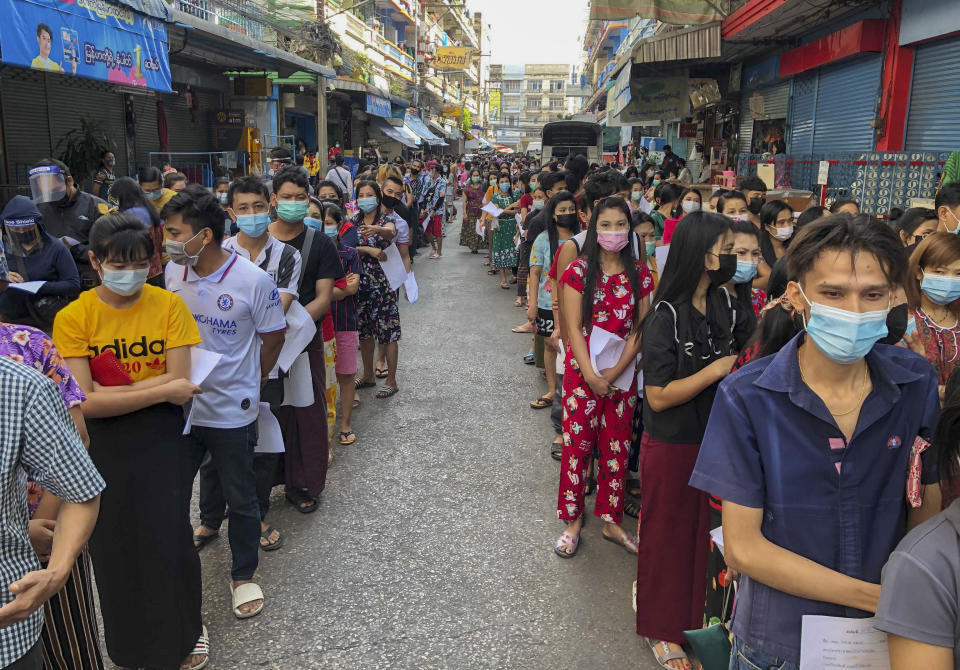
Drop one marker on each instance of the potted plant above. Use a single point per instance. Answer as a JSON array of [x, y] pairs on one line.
[[81, 148]]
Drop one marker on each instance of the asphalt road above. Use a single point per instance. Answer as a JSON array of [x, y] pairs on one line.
[[433, 544]]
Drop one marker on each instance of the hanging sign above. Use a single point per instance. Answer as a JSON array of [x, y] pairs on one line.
[[379, 106], [98, 39], [451, 58]]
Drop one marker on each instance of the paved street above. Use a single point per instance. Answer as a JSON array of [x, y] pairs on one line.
[[432, 547]]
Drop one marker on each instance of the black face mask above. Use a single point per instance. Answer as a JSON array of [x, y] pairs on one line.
[[414, 171], [389, 201], [755, 205], [723, 274], [566, 220], [896, 324]]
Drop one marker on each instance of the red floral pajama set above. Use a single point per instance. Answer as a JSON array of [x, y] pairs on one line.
[[604, 421]]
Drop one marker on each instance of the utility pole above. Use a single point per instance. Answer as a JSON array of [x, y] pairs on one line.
[[322, 138]]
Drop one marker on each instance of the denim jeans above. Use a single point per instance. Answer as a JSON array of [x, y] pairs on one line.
[[229, 476], [743, 657]]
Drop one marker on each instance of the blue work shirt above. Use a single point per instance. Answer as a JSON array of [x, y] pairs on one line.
[[770, 444]]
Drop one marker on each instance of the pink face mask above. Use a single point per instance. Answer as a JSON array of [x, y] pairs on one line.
[[612, 241]]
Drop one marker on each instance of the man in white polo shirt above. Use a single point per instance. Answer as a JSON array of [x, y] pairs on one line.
[[238, 310]]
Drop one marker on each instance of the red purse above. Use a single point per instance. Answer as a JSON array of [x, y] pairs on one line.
[[106, 370]]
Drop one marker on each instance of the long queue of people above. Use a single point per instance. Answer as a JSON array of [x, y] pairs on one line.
[[779, 377], [213, 321]]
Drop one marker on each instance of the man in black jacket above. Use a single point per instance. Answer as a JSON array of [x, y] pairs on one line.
[[68, 212]]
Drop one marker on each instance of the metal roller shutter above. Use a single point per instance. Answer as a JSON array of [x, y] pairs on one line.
[[72, 99], [26, 133], [146, 138], [776, 99], [846, 104], [803, 102], [190, 130], [933, 122]]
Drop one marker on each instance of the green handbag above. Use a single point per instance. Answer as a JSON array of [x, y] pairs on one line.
[[712, 644]]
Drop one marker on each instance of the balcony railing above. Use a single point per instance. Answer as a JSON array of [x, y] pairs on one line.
[[241, 16]]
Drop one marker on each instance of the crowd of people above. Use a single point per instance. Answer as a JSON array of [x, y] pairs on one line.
[[777, 374], [184, 326], [774, 400]]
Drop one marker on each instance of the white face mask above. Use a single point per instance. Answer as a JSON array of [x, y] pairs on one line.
[[690, 206], [740, 217], [783, 234]]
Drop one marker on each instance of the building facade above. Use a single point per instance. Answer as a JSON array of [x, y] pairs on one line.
[[530, 96]]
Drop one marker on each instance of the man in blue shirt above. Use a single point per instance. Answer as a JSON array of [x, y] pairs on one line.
[[811, 448]]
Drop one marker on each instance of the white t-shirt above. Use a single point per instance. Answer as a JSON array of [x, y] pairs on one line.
[[342, 178], [279, 260], [403, 228], [232, 308]]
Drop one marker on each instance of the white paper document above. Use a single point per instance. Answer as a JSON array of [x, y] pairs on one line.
[[410, 288], [662, 253], [717, 536], [479, 227], [298, 387], [492, 210], [202, 363], [835, 643], [645, 205], [605, 351], [393, 267], [301, 330], [70, 241], [28, 286], [269, 437]]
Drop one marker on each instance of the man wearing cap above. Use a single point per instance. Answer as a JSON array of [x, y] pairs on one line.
[[68, 213]]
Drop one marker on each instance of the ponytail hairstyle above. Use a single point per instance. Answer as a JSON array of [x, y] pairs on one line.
[[591, 253], [778, 323]]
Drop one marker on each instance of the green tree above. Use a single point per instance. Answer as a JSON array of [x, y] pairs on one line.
[[466, 120], [80, 149]]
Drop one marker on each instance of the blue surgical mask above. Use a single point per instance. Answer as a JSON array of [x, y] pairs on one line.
[[153, 195], [651, 249], [253, 225], [331, 231], [635, 195], [367, 204], [538, 204], [124, 282], [941, 290], [505, 187], [957, 229], [311, 222], [293, 211], [844, 336], [746, 271]]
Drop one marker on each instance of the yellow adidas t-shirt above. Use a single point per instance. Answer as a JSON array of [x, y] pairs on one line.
[[139, 336]]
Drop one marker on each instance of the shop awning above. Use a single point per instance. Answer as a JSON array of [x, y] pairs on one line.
[[158, 9], [681, 12], [415, 124], [348, 85], [699, 43], [393, 133], [409, 134]]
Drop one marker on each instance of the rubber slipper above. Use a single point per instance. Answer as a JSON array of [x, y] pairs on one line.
[[200, 541], [201, 648], [387, 391], [243, 594], [627, 541], [530, 359], [345, 438], [556, 450], [360, 384], [666, 656], [568, 545], [271, 546], [542, 402], [505, 287], [632, 506], [381, 373]]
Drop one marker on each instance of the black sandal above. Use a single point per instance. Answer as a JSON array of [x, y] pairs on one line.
[[632, 506], [297, 498], [381, 373], [362, 384], [271, 546], [556, 450], [589, 486], [387, 391], [200, 541]]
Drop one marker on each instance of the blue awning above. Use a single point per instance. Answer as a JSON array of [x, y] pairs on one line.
[[416, 124], [393, 133]]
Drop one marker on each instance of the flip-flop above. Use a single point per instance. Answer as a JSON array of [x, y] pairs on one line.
[[627, 541], [632, 506], [200, 541], [505, 287], [361, 384], [387, 391], [556, 450], [565, 543], [271, 546], [542, 402], [345, 437], [530, 359], [381, 373]]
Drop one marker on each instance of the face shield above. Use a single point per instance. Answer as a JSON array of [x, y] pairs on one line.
[[47, 183], [21, 236]]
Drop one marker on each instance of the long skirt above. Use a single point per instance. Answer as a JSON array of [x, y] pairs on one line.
[[71, 639], [504, 250], [468, 233], [303, 465], [147, 569], [674, 529]]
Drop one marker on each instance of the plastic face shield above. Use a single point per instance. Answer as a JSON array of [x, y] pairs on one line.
[[22, 235], [47, 183]]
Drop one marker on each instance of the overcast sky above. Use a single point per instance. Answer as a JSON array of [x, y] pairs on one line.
[[533, 31]]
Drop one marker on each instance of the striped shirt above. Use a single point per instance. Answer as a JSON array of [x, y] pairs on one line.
[[37, 438]]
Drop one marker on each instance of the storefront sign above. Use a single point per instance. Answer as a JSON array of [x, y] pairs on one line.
[[451, 58], [454, 112], [621, 90], [494, 104], [379, 106], [99, 39], [230, 117], [656, 98], [687, 130]]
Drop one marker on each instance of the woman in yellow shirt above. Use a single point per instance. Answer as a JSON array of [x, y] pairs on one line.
[[148, 572]]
